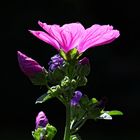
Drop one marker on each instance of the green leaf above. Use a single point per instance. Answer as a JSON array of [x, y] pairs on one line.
[[51, 131], [43, 98], [115, 112], [38, 133]]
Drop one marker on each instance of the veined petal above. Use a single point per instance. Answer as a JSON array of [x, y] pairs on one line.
[[53, 31], [97, 35], [46, 38], [107, 38], [71, 35]]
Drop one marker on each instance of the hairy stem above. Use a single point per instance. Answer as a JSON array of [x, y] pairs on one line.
[[67, 127]]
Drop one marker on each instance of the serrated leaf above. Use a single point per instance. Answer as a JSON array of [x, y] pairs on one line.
[[43, 98], [115, 112]]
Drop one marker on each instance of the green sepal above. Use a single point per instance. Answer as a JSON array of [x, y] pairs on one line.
[[51, 132], [39, 78], [43, 98], [47, 132], [38, 133], [63, 54], [70, 55]]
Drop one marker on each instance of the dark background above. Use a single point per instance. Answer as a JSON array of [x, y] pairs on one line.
[[115, 67]]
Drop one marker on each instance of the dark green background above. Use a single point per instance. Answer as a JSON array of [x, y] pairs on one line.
[[115, 71]]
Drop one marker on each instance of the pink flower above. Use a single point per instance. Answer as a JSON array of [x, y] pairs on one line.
[[29, 66], [74, 35]]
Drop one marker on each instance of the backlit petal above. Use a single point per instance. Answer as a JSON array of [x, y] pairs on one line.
[[46, 38]]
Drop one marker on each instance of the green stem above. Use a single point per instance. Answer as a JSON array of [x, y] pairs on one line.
[[67, 127]]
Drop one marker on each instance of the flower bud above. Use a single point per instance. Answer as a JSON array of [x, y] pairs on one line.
[[41, 120], [29, 66], [84, 61], [76, 98], [56, 61]]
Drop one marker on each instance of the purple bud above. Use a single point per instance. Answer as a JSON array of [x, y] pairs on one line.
[[76, 98], [29, 66], [41, 120], [56, 61], [84, 61]]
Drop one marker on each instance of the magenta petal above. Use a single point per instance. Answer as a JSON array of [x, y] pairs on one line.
[[53, 31], [98, 35], [74, 35], [29, 66], [71, 35], [107, 38], [46, 38], [67, 36]]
